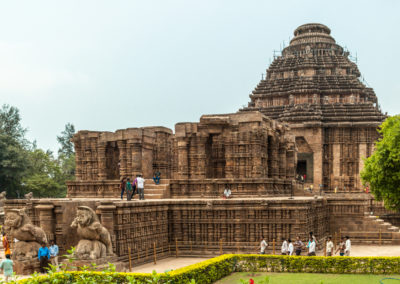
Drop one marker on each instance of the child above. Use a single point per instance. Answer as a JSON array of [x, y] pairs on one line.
[[7, 266]]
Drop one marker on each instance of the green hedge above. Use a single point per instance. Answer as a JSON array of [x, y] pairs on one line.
[[216, 268]]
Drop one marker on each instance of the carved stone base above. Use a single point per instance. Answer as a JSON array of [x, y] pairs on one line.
[[26, 267], [90, 250], [100, 264], [25, 250]]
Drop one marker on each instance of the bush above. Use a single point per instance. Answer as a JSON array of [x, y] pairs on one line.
[[216, 268]]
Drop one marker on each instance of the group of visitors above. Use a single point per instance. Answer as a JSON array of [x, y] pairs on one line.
[[132, 187], [295, 248], [45, 254]]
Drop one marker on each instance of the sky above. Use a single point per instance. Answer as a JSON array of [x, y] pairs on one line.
[[108, 65]]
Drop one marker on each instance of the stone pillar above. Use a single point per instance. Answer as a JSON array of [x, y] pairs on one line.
[[78, 158], [183, 170], [362, 154], [123, 171], [336, 164], [101, 160], [93, 159], [275, 158], [106, 210], [282, 160], [46, 219], [147, 160], [136, 158]]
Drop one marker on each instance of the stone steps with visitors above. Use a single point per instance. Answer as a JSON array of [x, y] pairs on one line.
[[155, 191]]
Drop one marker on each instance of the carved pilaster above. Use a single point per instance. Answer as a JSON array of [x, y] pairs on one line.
[[46, 220]]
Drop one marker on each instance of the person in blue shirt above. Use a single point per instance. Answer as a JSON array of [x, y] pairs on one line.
[[54, 254], [7, 266], [44, 256]]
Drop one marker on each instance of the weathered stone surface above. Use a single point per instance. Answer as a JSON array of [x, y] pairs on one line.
[[95, 239]]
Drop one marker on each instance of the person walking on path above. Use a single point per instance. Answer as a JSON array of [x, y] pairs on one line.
[[290, 247], [311, 247], [284, 247], [7, 266], [140, 186], [347, 246], [129, 189], [329, 247], [341, 247], [43, 256], [298, 245], [54, 254], [263, 245], [122, 187], [6, 244]]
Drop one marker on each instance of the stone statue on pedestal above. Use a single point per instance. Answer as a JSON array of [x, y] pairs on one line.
[[18, 225], [95, 240]]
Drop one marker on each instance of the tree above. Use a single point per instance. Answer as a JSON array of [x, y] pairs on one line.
[[44, 176], [13, 149], [67, 148], [382, 168]]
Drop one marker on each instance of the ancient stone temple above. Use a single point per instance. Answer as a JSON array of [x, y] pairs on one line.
[[315, 87], [310, 116]]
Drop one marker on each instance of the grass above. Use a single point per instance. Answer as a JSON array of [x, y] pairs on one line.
[[308, 278]]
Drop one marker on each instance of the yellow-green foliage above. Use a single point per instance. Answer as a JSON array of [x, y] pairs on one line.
[[216, 268]]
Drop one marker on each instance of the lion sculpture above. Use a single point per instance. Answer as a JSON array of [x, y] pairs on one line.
[[18, 225], [95, 240]]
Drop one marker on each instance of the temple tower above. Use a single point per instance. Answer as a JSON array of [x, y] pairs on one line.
[[315, 87]]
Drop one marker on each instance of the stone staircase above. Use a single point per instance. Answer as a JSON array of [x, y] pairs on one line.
[[155, 191], [374, 230]]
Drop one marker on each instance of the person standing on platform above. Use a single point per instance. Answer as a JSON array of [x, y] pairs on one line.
[[129, 189], [122, 187], [54, 254], [7, 266], [347, 246], [263, 245], [44, 256], [6, 244], [284, 247], [341, 247], [329, 247], [140, 186]]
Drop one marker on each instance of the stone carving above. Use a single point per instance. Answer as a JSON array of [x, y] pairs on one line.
[[95, 240], [18, 225], [315, 99], [291, 100], [29, 195], [3, 195]]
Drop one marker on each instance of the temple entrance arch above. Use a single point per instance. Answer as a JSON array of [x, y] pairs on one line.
[[305, 160]]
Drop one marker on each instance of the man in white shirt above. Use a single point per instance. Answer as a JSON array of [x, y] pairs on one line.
[[348, 246], [263, 245], [227, 193], [291, 247], [140, 186], [311, 247], [329, 247], [284, 248]]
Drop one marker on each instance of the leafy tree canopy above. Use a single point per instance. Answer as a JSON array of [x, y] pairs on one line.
[[66, 146], [382, 168]]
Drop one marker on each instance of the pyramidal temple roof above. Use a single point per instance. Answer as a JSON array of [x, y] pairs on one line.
[[317, 73]]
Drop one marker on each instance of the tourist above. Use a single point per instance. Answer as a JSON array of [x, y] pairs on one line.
[[329, 247], [311, 247], [290, 247], [263, 245], [227, 192], [284, 247], [43, 256], [341, 247], [347, 246], [311, 235], [122, 187], [298, 245], [7, 266], [6, 244], [156, 177], [54, 254], [140, 186], [129, 189]]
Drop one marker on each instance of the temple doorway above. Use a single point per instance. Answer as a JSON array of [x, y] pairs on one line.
[[215, 157], [112, 160]]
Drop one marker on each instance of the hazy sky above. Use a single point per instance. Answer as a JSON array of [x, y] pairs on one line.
[[107, 65]]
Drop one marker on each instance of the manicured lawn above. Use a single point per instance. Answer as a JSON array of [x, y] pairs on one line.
[[309, 278]]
